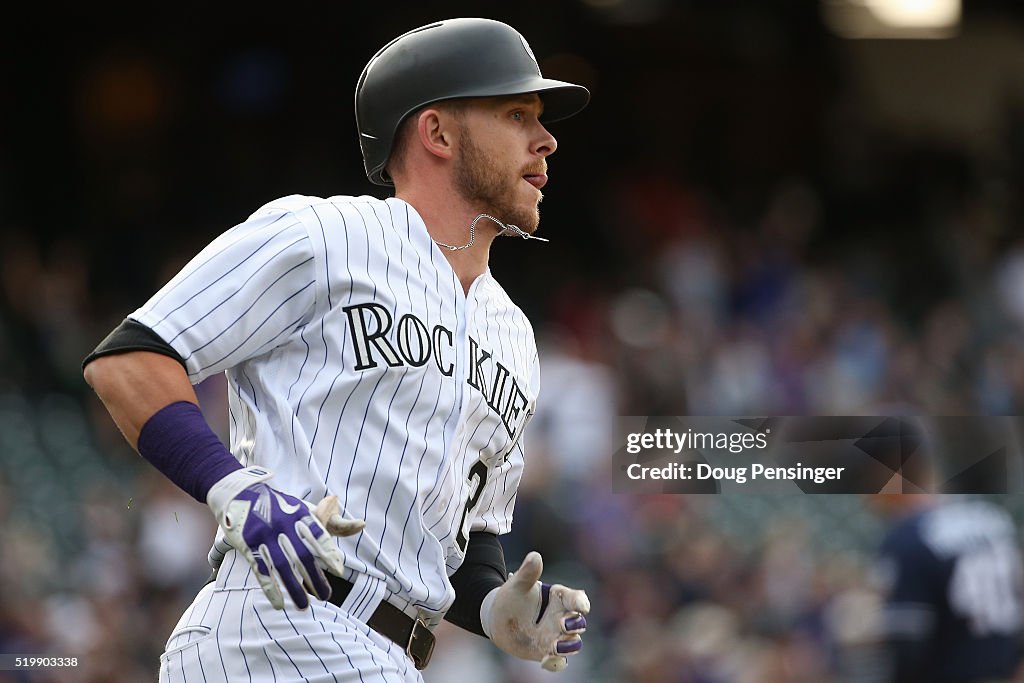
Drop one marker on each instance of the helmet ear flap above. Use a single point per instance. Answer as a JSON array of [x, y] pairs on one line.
[[446, 60]]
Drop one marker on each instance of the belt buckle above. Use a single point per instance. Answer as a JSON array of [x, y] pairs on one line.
[[422, 639]]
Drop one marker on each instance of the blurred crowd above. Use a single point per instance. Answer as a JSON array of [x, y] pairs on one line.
[[786, 269]]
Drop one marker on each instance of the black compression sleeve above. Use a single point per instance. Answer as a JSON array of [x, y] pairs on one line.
[[132, 336], [482, 571]]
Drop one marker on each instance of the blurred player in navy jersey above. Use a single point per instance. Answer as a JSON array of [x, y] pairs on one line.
[[950, 575]]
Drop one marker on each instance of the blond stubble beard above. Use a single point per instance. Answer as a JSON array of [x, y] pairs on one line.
[[480, 182]]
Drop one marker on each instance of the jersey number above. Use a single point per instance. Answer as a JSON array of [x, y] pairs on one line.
[[479, 472], [985, 590]]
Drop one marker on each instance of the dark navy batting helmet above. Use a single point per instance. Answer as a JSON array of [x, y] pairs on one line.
[[443, 61]]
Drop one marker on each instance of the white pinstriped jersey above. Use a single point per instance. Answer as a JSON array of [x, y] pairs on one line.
[[358, 366]]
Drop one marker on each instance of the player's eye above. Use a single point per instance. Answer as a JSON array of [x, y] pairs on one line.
[[517, 116]]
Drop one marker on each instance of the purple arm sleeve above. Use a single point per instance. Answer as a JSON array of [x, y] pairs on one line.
[[178, 442]]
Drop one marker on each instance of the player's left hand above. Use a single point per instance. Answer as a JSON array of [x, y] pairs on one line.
[[534, 620], [284, 538]]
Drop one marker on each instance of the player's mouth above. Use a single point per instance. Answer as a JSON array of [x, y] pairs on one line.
[[538, 180]]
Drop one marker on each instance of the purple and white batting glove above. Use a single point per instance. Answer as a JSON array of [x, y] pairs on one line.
[[284, 538], [534, 620]]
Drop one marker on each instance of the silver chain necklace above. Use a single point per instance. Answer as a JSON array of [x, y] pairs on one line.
[[511, 230]]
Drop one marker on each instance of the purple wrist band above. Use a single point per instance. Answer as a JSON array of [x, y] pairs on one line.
[[178, 442]]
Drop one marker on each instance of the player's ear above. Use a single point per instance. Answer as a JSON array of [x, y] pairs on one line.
[[436, 130]]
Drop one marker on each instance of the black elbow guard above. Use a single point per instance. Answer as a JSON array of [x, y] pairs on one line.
[[482, 571], [132, 336]]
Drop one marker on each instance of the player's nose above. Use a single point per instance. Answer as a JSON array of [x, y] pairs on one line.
[[545, 144]]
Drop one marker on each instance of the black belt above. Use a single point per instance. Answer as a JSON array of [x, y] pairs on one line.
[[412, 634]]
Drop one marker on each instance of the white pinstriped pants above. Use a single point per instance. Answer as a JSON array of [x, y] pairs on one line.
[[231, 633]]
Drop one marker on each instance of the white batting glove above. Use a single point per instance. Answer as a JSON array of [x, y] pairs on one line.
[[533, 620], [285, 539]]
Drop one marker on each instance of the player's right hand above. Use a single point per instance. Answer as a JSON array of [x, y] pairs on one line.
[[535, 620], [284, 538]]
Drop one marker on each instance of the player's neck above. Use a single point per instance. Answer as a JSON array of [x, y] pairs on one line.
[[448, 223]]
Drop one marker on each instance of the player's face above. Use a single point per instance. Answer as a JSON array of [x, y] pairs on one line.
[[502, 162]]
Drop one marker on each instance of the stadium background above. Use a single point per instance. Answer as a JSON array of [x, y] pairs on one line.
[[754, 216]]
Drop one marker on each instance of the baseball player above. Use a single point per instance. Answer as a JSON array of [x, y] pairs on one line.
[[379, 383], [950, 574]]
